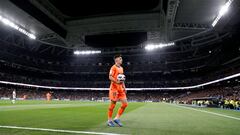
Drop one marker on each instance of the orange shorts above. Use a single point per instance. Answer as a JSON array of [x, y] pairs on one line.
[[116, 95]]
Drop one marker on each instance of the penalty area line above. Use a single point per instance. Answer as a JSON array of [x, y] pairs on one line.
[[59, 130]]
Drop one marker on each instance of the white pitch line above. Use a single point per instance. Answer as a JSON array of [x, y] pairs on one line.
[[218, 114], [59, 130]]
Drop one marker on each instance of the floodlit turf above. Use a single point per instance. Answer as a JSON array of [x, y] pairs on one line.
[[139, 119]]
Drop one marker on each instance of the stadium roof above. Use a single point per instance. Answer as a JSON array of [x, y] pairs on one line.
[[73, 9], [76, 24]]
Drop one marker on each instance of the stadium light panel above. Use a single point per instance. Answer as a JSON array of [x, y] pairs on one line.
[[222, 11], [150, 47], [16, 27], [86, 52]]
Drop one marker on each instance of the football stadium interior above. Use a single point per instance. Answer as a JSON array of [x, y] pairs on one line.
[[181, 61]]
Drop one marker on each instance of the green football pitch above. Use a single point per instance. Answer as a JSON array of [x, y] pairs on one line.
[[75, 117]]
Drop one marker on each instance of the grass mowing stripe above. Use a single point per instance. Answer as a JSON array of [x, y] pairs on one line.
[[139, 119], [218, 114], [44, 106], [32, 102], [58, 130]]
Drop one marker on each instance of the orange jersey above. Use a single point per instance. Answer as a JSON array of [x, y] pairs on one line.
[[48, 95], [114, 71]]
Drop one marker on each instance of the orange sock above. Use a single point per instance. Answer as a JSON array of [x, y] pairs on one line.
[[121, 110], [110, 110]]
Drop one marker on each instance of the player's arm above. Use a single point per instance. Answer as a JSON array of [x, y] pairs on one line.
[[111, 78], [124, 87]]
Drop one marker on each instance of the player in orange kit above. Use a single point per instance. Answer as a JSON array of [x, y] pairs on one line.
[[117, 92], [48, 96]]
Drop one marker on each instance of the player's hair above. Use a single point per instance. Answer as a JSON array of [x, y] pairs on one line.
[[116, 56]]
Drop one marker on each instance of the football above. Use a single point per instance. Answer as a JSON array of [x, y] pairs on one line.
[[121, 77]]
